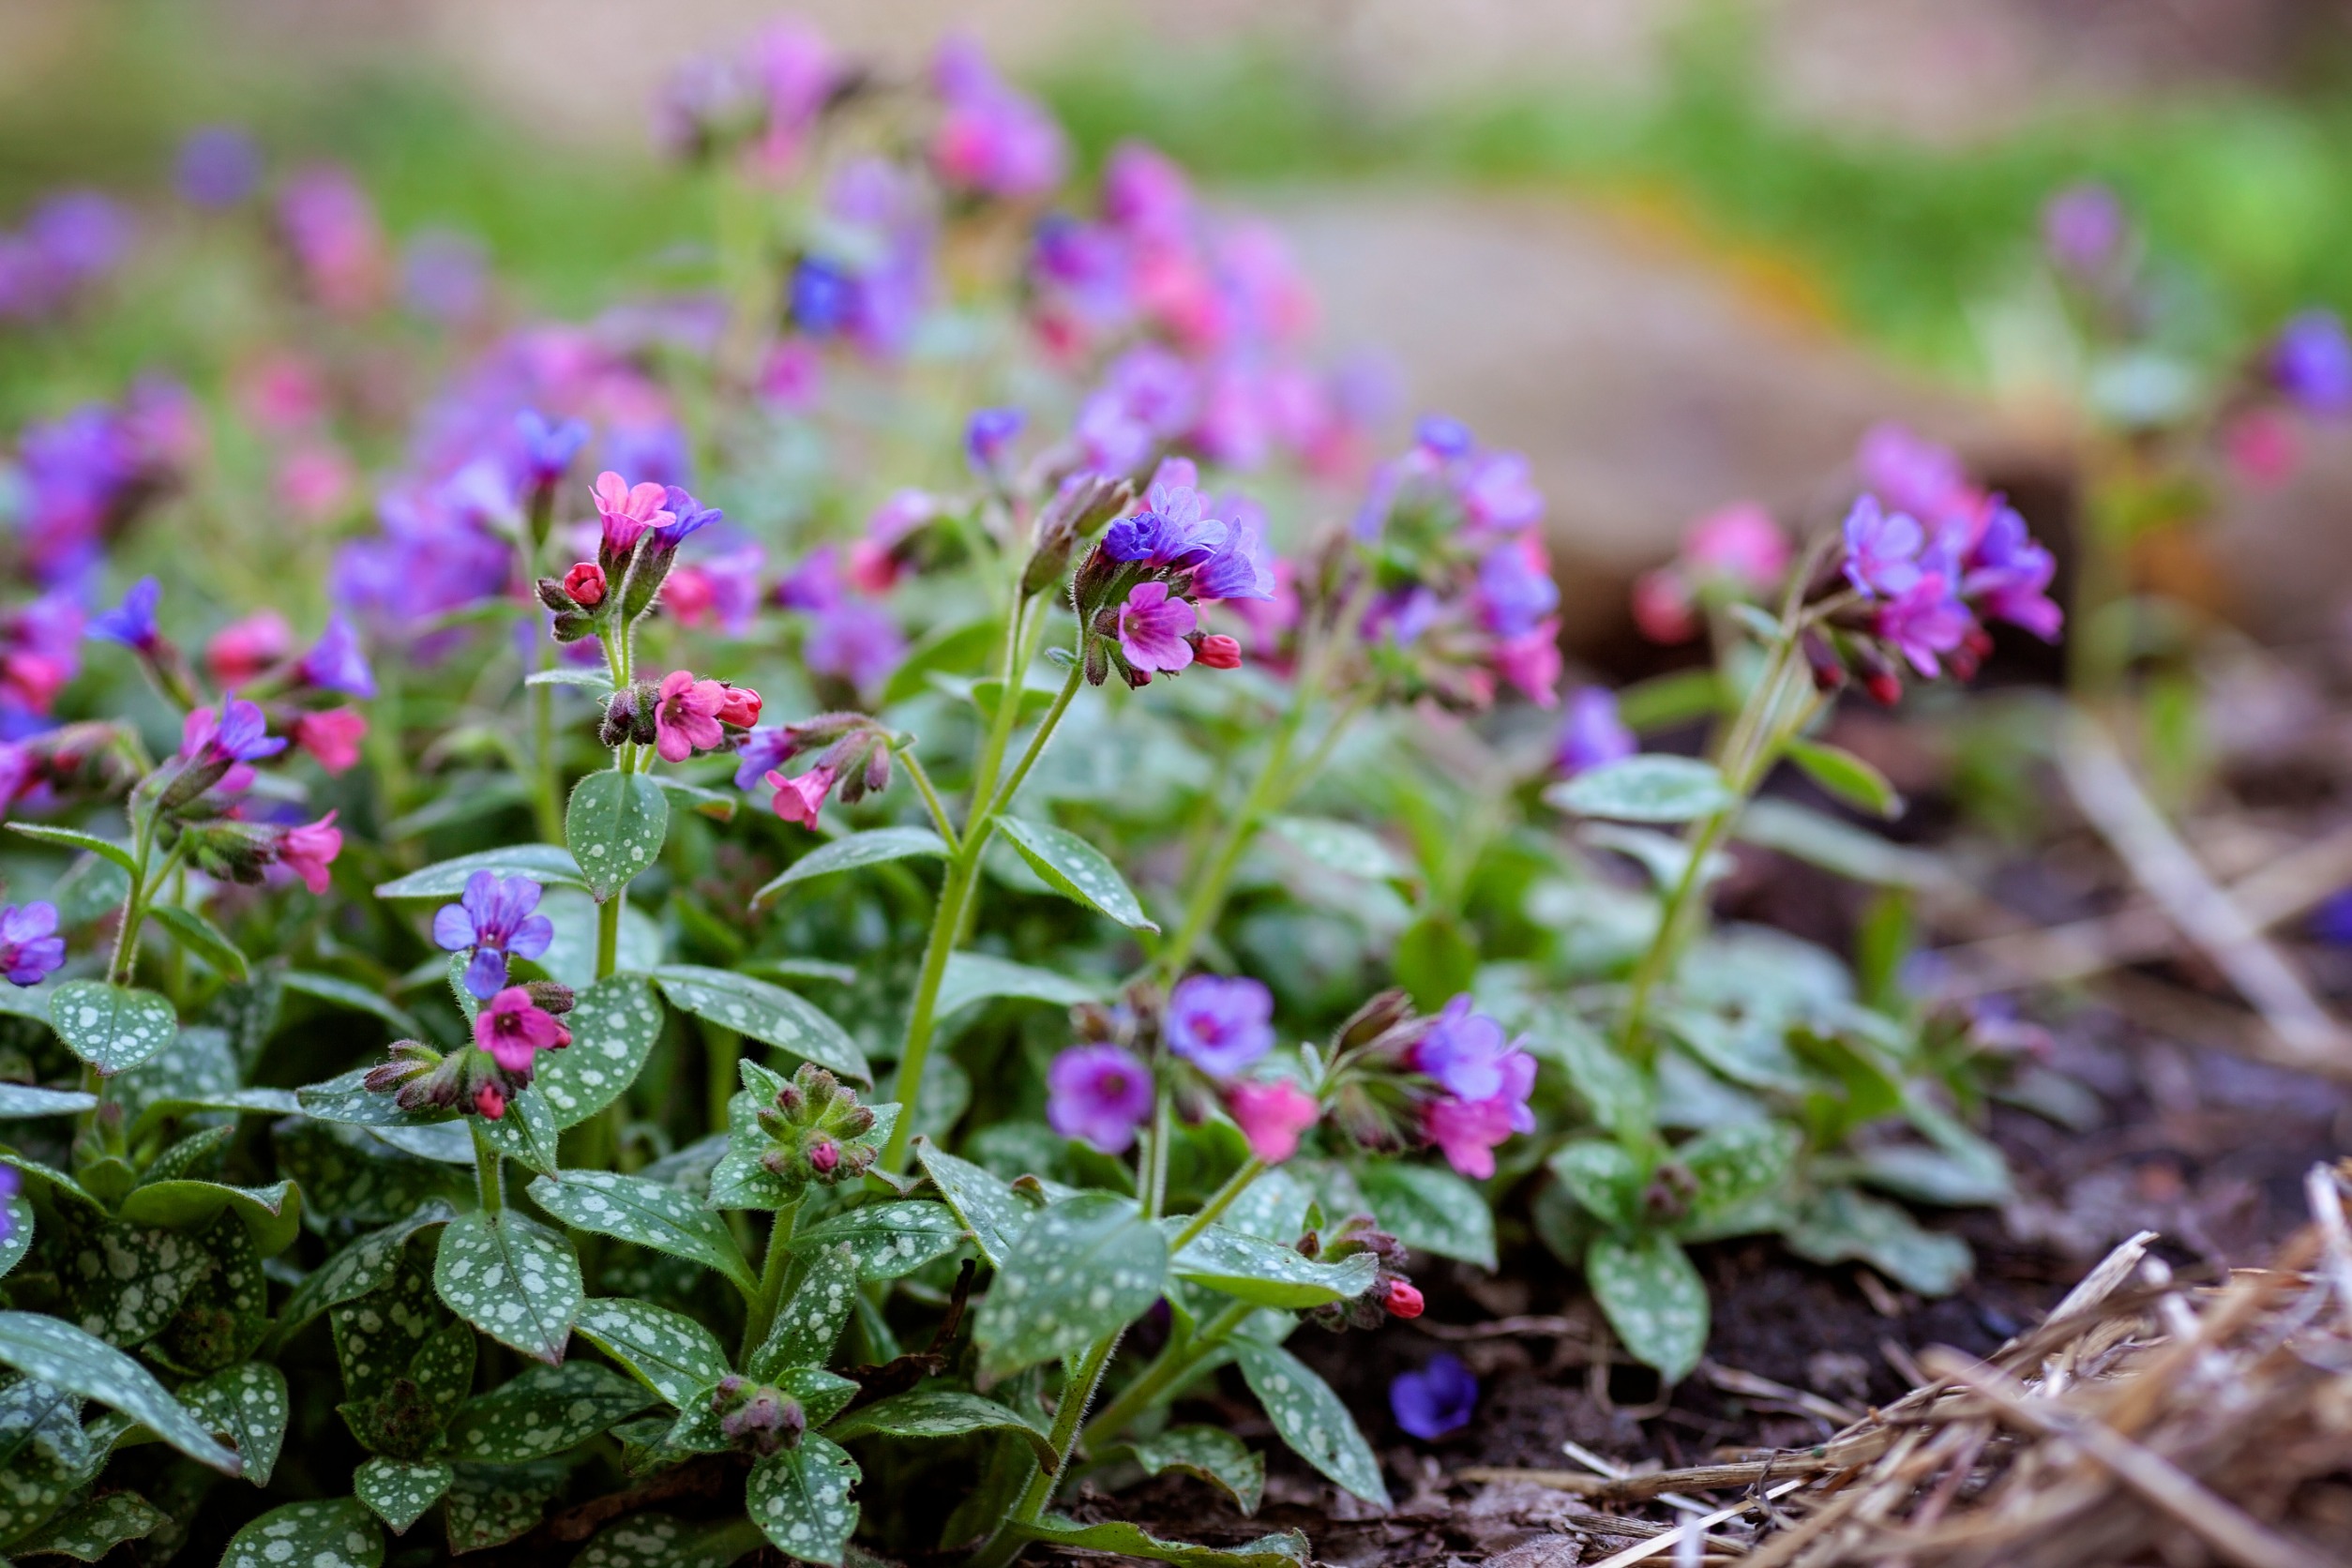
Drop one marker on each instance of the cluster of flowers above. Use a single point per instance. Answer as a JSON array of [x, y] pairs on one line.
[[817, 1131], [68, 244], [1138, 589], [201, 793]]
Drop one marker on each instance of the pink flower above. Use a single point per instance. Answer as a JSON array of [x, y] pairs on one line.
[[687, 594], [1272, 1116], [627, 511], [307, 850], [1152, 628], [1467, 1132], [738, 706], [514, 1030], [1532, 663], [243, 649], [797, 800], [793, 376], [490, 1100], [2261, 449], [685, 716], [1221, 652], [585, 583], [314, 481], [1662, 607], [1739, 541], [333, 737]]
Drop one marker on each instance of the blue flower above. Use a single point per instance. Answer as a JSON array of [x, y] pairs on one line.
[[548, 446], [1239, 569], [1439, 1400], [337, 663], [493, 918], [133, 621], [824, 297], [688, 515], [991, 431]]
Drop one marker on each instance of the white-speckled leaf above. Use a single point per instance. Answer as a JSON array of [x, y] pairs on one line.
[[542, 1411], [801, 1499], [940, 1412], [1655, 1299], [399, 1491], [90, 1532], [889, 1240], [346, 1098], [246, 1405], [124, 1282], [1430, 1209], [660, 1541], [1081, 1269], [675, 1356], [45, 1453], [811, 1319], [985, 1201], [367, 1264], [1284, 1549], [1252, 1269], [489, 1505], [337, 1534], [1273, 1207], [615, 1024], [1308, 1416], [1076, 869], [821, 1394], [1842, 1224], [766, 1013], [1733, 1164], [63, 1356], [571, 952], [377, 1337], [511, 1278], [650, 1214], [614, 826], [16, 1213], [541, 863], [272, 1215], [527, 1133], [1210, 1452], [1603, 1178], [871, 848], [24, 1101], [113, 1028], [1646, 788]]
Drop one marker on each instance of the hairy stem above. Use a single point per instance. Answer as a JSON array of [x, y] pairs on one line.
[[1167, 1370], [1078, 1392], [773, 1269], [1218, 1202], [487, 1182]]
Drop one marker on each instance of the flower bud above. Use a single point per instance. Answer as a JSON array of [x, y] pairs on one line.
[[585, 583], [1218, 652], [408, 1060], [738, 706], [1373, 1020], [1880, 677], [1829, 670], [550, 996], [554, 595], [490, 1099], [231, 851], [1667, 1198], [1402, 1301], [824, 1157]]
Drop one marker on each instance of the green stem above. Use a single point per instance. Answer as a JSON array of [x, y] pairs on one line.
[[609, 933], [486, 1175], [1078, 1392], [773, 1269], [1015, 675], [126, 955], [1218, 1202], [1152, 1168], [547, 799], [1166, 1371], [922, 787], [1208, 893]]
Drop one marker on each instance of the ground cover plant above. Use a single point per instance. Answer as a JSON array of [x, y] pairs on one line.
[[869, 870]]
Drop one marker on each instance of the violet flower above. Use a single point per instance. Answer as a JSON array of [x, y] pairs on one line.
[[1592, 734], [1922, 621], [218, 167], [1922, 478], [2009, 577], [240, 733], [989, 433], [2082, 229], [30, 946], [1883, 549], [856, 641], [1099, 1094], [1497, 492], [1152, 628], [1221, 1025], [1240, 568], [133, 621], [336, 662], [2311, 362], [1443, 437], [494, 919], [547, 447], [1173, 535], [1436, 1401], [687, 517], [1515, 593], [991, 139], [1465, 1052]]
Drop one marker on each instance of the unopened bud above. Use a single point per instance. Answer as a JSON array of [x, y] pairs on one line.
[[738, 706], [1403, 1299], [1218, 652], [1373, 1020], [550, 996], [490, 1100], [824, 1157], [1829, 670], [585, 583]]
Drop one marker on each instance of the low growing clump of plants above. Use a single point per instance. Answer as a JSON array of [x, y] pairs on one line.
[[844, 883]]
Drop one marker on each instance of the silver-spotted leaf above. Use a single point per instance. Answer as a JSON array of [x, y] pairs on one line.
[[1210, 1452], [985, 1201], [660, 1541], [542, 1411], [337, 1534], [888, 1240], [1650, 788], [489, 1505], [675, 1356], [1268, 1273], [124, 1282], [21, 1102], [1430, 1209], [1076, 869], [614, 827], [113, 1028], [1284, 1549], [527, 1133], [1081, 1269], [1308, 1416], [873, 848], [63, 1356], [766, 1013], [367, 1264], [810, 1322], [511, 1278], [615, 1024], [940, 1412], [16, 1239], [801, 1499], [246, 1403], [1841, 1224], [95, 1529], [397, 1491], [541, 863], [821, 1394], [1655, 1299], [650, 1214]]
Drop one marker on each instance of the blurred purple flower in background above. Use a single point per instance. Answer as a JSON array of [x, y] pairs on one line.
[[218, 167], [1881, 548], [1220, 1024], [30, 946], [1439, 1400], [1592, 734], [2311, 361], [2082, 229], [1099, 1094]]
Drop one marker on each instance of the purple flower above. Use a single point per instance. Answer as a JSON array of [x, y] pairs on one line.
[[2082, 228], [824, 297], [1439, 1400], [687, 516], [1497, 492], [856, 641], [1467, 1054], [2009, 576], [2311, 362], [991, 431], [991, 139], [1220, 1025], [445, 276], [1513, 593], [336, 662], [1240, 569], [1918, 477], [1152, 628], [11, 1182], [133, 621], [218, 167], [1172, 534], [493, 918], [1926, 620], [78, 234], [768, 748], [30, 946], [1883, 549], [548, 447], [1593, 734], [2333, 920], [239, 734], [1100, 1094], [1442, 436]]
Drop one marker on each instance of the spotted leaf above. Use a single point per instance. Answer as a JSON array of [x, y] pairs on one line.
[[650, 1214], [1081, 1269], [247, 1404], [615, 1024], [272, 1215], [489, 1505], [1308, 1416], [766, 1013], [811, 1319], [801, 1499], [367, 1264], [57, 1353], [542, 1411], [1210, 1452], [399, 1491], [1076, 869], [1655, 1299], [124, 1282], [542, 863], [1286, 1549], [527, 1133], [511, 1278], [940, 1412], [889, 1240], [675, 1356], [1252, 1269], [21, 1102], [846, 853], [335, 1534], [113, 1028], [660, 1541], [986, 1202], [97, 1526], [614, 827], [1430, 1209]]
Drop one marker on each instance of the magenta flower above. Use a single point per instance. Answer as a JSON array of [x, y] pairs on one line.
[[333, 737], [1883, 549], [244, 648], [2009, 577], [1497, 492], [2082, 229], [1923, 621], [991, 139], [239, 734], [1221, 1025], [30, 946], [1099, 1094], [1916, 475], [1740, 542], [1152, 628], [685, 716], [1467, 1132], [493, 918], [514, 1030], [1272, 1117], [798, 800], [1436, 1401], [1593, 734], [309, 850], [628, 510]]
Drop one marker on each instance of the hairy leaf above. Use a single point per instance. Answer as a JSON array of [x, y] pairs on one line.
[[1655, 1299], [1431, 1208], [1081, 1269], [88, 1533], [59, 1354], [1076, 869], [1210, 1452], [940, 1412], [1286, 1549], [888, 1239], [872, 848], [1268, 1273], [801, 1499], [542, 863], [1650, 788], [649, 1214], [113, 1028], [399, 1491], [675, 1356], [615, 1024], [542, 1411], [511, 1278], [985, 1202], [337, 1534], [766, 1013], [810, 1322], [1308, 1416]]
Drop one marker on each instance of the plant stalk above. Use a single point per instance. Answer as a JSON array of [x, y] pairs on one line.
[[488, 1183], [773, 1269], [1166, 1371], [1077, 1394]]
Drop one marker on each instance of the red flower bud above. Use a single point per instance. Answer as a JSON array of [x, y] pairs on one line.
[[738, 706], [490, 1100], [584, 582], [1884, 685], [1403, 1299], [824, 1157], [1221, 652]]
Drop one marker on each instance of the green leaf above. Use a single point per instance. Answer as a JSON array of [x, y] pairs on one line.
[[1076, 869], [364, 1266], [717, 805], [888, 1240], [1847, 777], [1286, 1549], [1820, 839], [24, 1101], [811, 1319], [1841, 1224], [985, 1202], [675, 1356], [1603, 1179], [489, 1505], [1655, 1299], [202, 939], [71, 838], [113, 1028], [527, 1133], [1735, 1163], [820, 1394], [1435, 960], [1210, 1452], [511, 1278], [614, 827], [16, 1212], [615, 1024], [1308, 1416], [343, 993], [46, 1455], [766, 1013], [346, 1098], [62, 1355], [973, 977], [1650, 788], [1620, 1095], [124, 1282], [940, 1412], [97, 1526], [872, 848], [248, 1404], [543, 1411], [1251, 1269], [651, 1213], [949, 649], [1084, 1267], [337, 1534], [1669, 699], [272, 1214], [542, 863], [800, 1498], [595, 682], [1430, 1209], [660, 1541], [1348, 848], [400, 1490], [26, 1001]]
